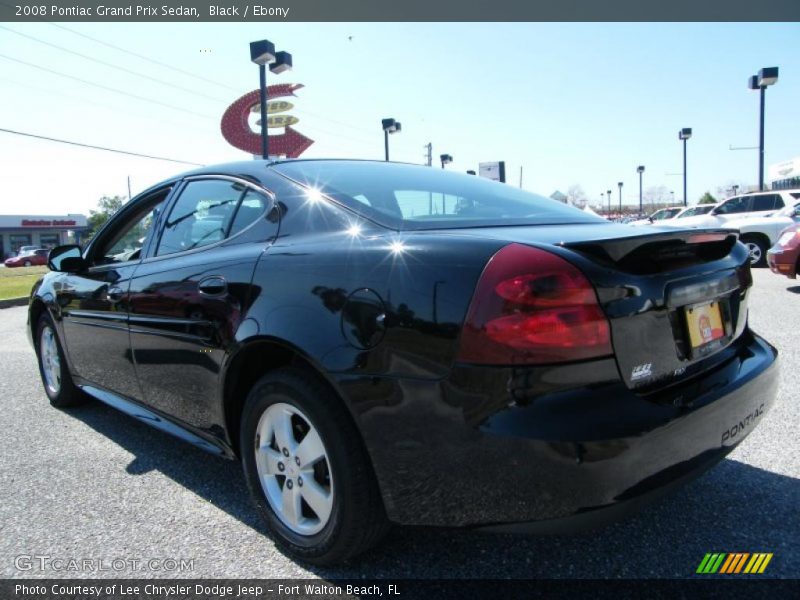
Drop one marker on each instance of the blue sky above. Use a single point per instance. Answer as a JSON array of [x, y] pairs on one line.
[[573, 104]]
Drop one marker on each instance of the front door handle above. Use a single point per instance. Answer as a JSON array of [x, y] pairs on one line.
[[213, 286], [114, 294]]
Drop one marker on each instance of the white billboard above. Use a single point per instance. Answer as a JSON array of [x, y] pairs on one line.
[[496, 171], [784, 170]]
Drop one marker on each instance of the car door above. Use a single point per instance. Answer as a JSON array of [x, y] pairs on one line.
[[94, 302], [189, 295]]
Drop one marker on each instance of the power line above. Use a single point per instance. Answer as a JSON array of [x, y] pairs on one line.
[[143, 57], [175, 122], [71, 143], [105, 87], [190, 74], [114, 66]]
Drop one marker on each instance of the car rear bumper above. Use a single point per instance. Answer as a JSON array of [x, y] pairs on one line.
[[502, 446], [783, 262]]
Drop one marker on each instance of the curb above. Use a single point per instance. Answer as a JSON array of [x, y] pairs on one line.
[[13, 302]]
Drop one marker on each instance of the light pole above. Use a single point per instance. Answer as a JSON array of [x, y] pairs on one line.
[[619, 185], [446, 159], [766, 77], [684, 134], [640, 170], [263, 53], [673, 197], [735, 189], [389, 126], [608, 193]]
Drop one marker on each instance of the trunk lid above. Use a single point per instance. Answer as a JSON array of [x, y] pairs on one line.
[[675, 299]]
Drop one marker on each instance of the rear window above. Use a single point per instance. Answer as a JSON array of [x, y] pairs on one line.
[[416, 197]]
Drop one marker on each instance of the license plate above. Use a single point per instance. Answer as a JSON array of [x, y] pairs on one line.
[[705, 324]]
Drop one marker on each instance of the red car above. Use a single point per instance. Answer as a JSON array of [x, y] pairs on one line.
[[29, 258], [783, 256]]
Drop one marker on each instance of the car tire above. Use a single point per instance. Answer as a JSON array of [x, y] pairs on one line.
[[56, 379], [757, 249], [337, 512], [27, 263]]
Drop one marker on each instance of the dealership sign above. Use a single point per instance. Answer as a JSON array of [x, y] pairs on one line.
[[42, 221], [496, 171], [237, 131], [785, 170]]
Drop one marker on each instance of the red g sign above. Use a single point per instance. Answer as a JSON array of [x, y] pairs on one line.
[[236, 130]]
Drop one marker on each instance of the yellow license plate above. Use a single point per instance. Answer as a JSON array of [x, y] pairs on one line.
[[705, 323]]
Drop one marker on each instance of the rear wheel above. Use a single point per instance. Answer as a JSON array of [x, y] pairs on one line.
[[56, 379], [757, 248], [27, 263], [307, 470]]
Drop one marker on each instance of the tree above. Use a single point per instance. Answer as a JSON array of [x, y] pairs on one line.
[[106, 207], [576, 196], [707, 199]]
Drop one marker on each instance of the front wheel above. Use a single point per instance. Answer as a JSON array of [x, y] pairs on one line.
[[307, 469], [57, 381]]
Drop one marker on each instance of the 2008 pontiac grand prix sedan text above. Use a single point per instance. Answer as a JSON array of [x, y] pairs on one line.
[[385, 343]]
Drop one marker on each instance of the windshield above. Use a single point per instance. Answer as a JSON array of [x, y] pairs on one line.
[[664, 213], [415, 197], [696, 210]]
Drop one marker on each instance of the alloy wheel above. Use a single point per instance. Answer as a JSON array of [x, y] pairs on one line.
[[51, 361], [294, 469]]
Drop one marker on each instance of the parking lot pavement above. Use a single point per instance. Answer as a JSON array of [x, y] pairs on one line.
[[93, 483]]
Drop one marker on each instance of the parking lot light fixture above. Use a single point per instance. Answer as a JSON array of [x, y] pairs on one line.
[[640, 170], [389, 126], [766, 77], [263, 53], [446, 159], [619, 185], [684, 134], [608, 193]]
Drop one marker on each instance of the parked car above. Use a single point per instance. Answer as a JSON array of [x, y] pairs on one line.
[[28, 259], [759, 233], [658, 216], [784, 256], [385, 343], [755, 204]]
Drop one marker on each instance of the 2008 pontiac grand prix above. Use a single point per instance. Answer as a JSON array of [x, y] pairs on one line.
[[384, 343]]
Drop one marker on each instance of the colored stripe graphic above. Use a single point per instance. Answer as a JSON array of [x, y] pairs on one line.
[[734, 563]]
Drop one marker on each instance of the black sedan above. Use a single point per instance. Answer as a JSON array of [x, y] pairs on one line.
[[384, 343]]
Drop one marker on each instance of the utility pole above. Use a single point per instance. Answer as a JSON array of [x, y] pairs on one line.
[[520, 177], [429, 154]]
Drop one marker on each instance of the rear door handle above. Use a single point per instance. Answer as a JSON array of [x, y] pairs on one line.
[[213, 286]]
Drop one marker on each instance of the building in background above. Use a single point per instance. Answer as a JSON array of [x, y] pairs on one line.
[[785, 175], [42, 231]]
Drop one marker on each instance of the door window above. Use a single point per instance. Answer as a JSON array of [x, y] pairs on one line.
[[209, 211], [734, 205]]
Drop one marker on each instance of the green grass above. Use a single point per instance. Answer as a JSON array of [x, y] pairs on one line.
[[17, 283]]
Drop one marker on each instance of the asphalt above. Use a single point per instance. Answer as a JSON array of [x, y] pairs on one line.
[[91, 483]]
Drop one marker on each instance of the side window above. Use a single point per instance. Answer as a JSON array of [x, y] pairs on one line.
[[734, 205], [201, 216], [251, 208], [126, 242], [767, 202]]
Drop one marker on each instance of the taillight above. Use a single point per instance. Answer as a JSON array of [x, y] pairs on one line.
[[533, 307]]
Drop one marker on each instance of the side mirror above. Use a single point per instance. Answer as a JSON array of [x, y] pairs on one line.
[[67, 259]]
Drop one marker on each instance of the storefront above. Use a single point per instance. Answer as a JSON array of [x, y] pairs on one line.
[[42, 231]]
